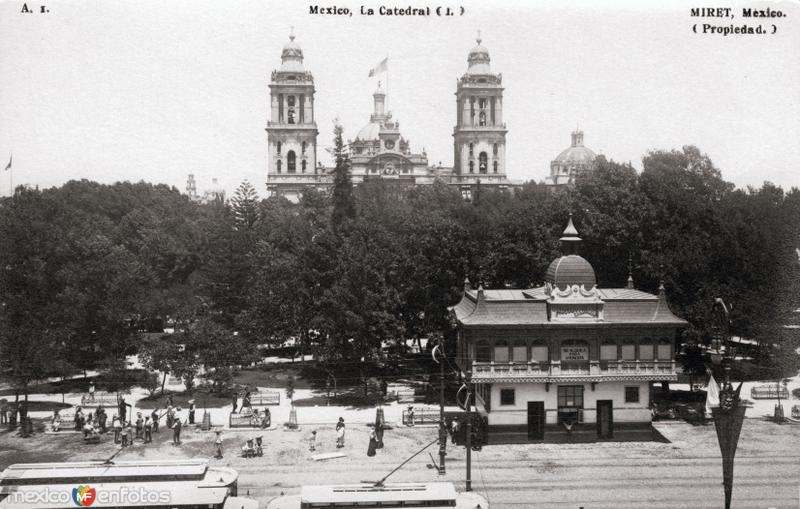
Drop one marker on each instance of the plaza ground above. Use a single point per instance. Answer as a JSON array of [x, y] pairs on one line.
[[686, 472]]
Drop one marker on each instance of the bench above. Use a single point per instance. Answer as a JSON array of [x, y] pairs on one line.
[[266, 398], [247, 419], [421, 416], [407, 396], [100, 398], [769, 391]]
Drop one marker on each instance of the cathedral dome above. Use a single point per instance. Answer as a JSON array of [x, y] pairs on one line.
[[292, 57], [576, 153], [478, 60], [570, 269], [369, 132]]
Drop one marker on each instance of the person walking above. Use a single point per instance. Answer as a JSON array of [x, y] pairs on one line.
[[170, 416], [379, 435], [123, 409], [3, 411], [117, 427], [312, 441], [148, 430], [176, 431], [218, 445], [373, 444], [91, 392], [245, 401], [154, 418], [234, 401], [340, 433], [139, 426], [191, 411], [101, 419]]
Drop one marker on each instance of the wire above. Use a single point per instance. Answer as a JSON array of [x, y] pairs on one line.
[[483, 480]]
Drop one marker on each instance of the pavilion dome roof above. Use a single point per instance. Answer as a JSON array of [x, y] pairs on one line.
[[292, 57], [570, 268], [370, 131]]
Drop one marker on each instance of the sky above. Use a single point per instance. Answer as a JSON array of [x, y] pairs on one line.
[[156, 90]]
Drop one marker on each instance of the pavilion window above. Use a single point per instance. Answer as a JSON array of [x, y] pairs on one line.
[[540, 354], [303, 165], [482, 115], [628, 352], [494, 99], [575, 355], [291, 162], [494, 165], [472, 166], [471, 149], [278, 148], [519, 352], [303, 148], [501, 351], [570, 404], [646, 352], [483, 353], [608, 353], [483, 162], [664, 351], [278, 165], [280, 108]]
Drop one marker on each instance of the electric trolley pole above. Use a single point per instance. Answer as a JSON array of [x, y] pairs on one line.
[[468, 440], [442, 425]]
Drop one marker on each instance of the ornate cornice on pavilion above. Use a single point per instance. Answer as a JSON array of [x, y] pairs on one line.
[[574, 303]]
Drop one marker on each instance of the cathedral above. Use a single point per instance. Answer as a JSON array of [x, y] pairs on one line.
[[380, 151]]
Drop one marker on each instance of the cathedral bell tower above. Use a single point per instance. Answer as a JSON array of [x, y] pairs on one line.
[[480, 134], [291, 129]]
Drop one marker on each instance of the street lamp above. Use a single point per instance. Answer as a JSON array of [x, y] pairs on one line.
[[728, 416]]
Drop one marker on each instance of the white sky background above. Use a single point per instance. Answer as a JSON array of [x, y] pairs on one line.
[[155, 90]]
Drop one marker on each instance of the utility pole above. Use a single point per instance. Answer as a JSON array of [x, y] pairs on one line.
[[468, 440], [442, 429]]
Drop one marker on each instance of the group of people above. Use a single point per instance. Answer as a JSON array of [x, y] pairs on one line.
[[126, 431], [9, 412], [375, 439]]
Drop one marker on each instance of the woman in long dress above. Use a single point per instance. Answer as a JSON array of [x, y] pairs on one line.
[[373, 444]]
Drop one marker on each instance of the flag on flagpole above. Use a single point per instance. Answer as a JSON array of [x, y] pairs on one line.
[[381, 67], [712, 395], [8, 166]]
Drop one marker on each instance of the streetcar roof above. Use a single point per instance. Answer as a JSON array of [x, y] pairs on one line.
[[53, 472], [371, 493]]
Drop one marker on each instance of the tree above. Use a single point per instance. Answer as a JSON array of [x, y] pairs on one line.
[[344, 207], [161, 354], [245, 206]]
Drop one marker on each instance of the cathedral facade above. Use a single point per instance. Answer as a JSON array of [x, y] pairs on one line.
[[379, 150]]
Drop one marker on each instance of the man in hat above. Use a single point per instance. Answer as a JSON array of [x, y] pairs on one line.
[[148, 430], [191, 411], [139, 426], [154, 418], [176, 428]]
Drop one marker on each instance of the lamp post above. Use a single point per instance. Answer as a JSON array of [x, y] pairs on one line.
[[728, 416]]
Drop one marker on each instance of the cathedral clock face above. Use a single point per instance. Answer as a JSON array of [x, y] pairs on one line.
[[389, 144]]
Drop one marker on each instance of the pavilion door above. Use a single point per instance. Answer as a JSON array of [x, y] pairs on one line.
[[536, 420], [605, 418]]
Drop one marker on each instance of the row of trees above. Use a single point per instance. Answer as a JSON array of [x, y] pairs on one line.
[[85, 267]]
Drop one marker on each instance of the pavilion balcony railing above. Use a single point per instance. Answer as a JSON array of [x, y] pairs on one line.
[[570, 369]]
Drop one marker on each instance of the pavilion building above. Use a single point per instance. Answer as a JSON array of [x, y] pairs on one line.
[[568, 360]]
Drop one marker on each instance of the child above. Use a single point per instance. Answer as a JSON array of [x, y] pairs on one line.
[[218, 444], [125, 434], [312, 442]]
